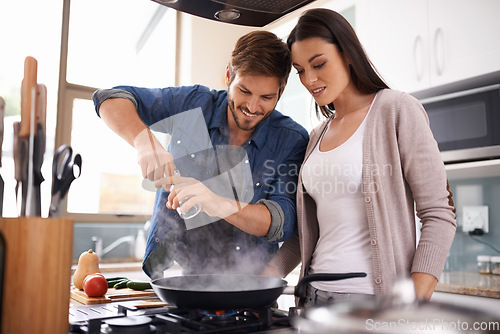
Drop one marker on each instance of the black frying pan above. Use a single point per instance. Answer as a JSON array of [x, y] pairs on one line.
[[229, 292]]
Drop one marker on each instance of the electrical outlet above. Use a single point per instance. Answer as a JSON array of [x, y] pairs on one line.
[[475, 217]]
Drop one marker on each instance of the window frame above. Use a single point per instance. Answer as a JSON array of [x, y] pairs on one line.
[[67, 93]]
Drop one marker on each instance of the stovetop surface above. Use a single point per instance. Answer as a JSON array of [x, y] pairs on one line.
[[122, 317]]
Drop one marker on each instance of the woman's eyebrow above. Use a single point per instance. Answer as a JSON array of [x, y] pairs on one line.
[[310, 59]]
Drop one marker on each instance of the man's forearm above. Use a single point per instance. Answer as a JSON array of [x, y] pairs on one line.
[[254, 219], [120, 115]]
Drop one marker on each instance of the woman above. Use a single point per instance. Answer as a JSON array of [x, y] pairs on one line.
[[366, 165]]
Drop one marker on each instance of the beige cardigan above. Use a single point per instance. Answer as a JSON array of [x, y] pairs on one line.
[[402, 167]]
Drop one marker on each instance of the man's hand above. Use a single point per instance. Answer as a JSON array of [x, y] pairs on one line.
[[156, 163], [191, 192], [254, 219]]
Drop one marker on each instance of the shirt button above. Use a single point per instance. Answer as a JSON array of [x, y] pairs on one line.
[[246, 161], [207, 172], [373, 242], [257, 184], [378, 280], [192, 155], [178, 141], [157, 240], [368, 199], [238, 248]]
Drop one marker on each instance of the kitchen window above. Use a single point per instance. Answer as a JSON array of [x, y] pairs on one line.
[[129, 42], [101, 44]]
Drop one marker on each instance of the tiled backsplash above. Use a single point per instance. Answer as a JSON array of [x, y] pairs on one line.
[[465, 249]]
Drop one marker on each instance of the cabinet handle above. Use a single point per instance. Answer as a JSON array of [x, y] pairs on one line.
[[439, 50], [418, 58]]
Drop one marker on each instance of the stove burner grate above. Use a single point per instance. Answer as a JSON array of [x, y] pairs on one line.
[[181, 321], [129, 325]]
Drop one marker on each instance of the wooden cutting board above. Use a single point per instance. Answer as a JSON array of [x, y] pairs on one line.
[[112, 295]]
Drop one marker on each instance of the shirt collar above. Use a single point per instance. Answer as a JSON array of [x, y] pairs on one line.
[[260, 134], [219, 121]]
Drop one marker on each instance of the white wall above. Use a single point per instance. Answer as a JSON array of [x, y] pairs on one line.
[[206, 45], [206, 48]]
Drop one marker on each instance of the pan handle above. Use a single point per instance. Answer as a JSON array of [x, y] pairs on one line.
[[301, 287]]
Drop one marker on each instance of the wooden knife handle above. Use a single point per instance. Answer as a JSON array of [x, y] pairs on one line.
[[29, 83]]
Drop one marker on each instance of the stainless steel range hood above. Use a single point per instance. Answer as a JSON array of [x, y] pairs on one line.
[[256, 13]]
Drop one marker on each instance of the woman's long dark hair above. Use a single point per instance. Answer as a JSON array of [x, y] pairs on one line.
[[334, 28]]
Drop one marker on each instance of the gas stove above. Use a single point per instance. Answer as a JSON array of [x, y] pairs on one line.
[[123, 318]]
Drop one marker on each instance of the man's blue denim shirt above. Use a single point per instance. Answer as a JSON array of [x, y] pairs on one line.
[[274, 152]]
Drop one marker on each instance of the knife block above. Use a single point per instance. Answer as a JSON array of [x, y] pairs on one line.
[[37, 275]]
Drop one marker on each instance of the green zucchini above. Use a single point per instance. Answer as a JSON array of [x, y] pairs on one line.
[[121, 284], [115, 278], [136, 285]]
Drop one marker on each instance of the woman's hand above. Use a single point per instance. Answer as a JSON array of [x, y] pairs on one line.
[[424, 285], [270, 271]]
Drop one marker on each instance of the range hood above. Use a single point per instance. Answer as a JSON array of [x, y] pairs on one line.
[[255, 13]]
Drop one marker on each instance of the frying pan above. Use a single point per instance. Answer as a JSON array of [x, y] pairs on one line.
[[230, 292]]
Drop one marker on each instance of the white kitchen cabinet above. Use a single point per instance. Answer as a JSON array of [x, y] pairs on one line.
[[419, 44]]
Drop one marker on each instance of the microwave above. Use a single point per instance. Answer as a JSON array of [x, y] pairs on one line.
[[465, 118]]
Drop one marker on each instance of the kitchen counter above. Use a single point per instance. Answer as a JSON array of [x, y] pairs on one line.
[[471, 284]]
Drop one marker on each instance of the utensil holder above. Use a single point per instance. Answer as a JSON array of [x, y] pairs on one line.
[[37, 275]]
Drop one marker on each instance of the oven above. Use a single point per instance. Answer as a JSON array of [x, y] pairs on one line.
[[465, 118]]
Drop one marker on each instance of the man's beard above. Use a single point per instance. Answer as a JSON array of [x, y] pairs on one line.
[[239, 124]]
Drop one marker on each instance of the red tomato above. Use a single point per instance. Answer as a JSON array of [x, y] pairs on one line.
[[95, 285]]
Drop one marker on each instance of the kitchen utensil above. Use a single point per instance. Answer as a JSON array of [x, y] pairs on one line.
[[29, 142], [28, 96], [2, 183], [41, 113], [65, 169], [397, 312], [34, 205], [228, 292], [21, 156], [196, 209]]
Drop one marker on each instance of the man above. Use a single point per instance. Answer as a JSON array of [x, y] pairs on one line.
[[237, 156]]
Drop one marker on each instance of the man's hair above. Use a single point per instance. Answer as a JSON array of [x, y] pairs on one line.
[[261, 53]]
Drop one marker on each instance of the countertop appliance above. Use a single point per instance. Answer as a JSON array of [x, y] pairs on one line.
[[465, 118], [120, 318], [256, 13]]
